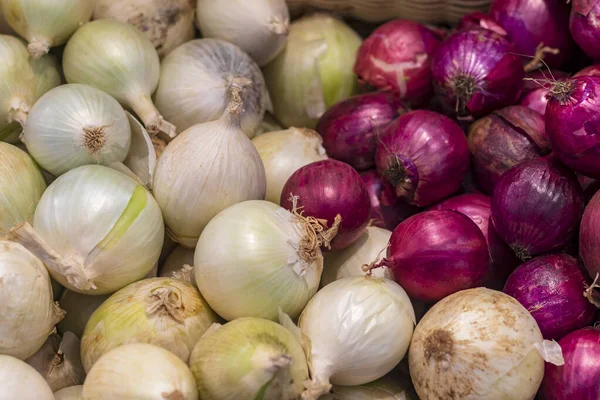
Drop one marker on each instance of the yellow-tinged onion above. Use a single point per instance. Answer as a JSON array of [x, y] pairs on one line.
[[79, 308], [21, 381], [69, 393], [283, 152], [164, 312], [479, 344], [249, 358], [179, 265]]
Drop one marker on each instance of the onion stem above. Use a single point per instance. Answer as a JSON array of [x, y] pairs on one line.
[[153, 121], [19, 109], [38, 48]]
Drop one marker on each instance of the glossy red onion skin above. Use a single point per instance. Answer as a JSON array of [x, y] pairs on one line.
[[481, 20], [397, 56], [327, 188], [430, 150], [503, 139], [437, 253], [584, 28], [579, 377], [573, 125], [537, 206], [387, 211], [485, 65], [350, 128], [530, 23], [589, 236], [592, 70], [552, 289]]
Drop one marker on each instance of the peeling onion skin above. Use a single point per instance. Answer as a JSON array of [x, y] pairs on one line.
[[583, 25]]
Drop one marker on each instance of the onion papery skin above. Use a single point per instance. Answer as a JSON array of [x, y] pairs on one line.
[[476, 72], [589, 236], [436, 253], [196, 81], [397, 57], [387, 210], [476, 344], [579, 377], [552, 289], [165, 312], [175, 263], [536, 89], [79, 309], [329, 188], [583, 25], [530, 23], [537, 206], [481, 20], [424, 156], [350, 128], [572, 122], [21, 381], [503, 139]]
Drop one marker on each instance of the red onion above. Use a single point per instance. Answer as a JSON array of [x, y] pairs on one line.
[[436, 253], [329, 188], [573, 123], [537, 87], [592, 70], [531, 23], [589, 236], [476, 72], [579, 377], [478, 208], [350, 128], [387, 211], [396, 56], [504, 139], [552, 289], [424, 156], [584, 26], [537, 206], [481, 20]]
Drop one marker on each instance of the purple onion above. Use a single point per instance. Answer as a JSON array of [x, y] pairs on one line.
[[397, 56], [476, 72], [590, 187], [537, 206], [504, 139], [424, 156], [579, 377], [481, 20], [584, 26], [327, 188], [573, 123], [350, 128], [589, 236], [436, 253], [552, 289], [387, 211], [592, 70], [536, 88]]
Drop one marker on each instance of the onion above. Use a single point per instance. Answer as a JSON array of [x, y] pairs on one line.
[[165, 312], [504, 139], [96, 230], [196, 81], [115, 57], [179, 265], [481, 20], [479, 344], [208, 168], [476, 72], [350, 128], [140, 371], [141, 159], [274, 364], [424, 156], [584, 26], [332, 191], [314, 70], [592, 70], [79, 309], [69, 393], [436, 253], [578, 378], [20, 381], [397, 56], [259, 28], [21, 185], [392, 386], [589, 236], [537, 206], [536, 89], [167, 23], [552, 289], [284, 152]]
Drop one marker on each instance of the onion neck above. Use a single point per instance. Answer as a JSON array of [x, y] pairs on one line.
[[18, 111], [276, 364], [153, 121], [403, 176], [38, 48], [279, 27], [166, 301], [562, 90]]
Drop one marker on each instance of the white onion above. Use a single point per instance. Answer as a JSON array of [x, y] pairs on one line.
[[79, 308], [96, 230], [70, 393], [167, 23], [140, 371], [21, 185], [349, 261], [355, 330], [259, 27], [284, 152], [206, 169], [478, 344], [196, 81], [20, 381], [74, 125], [179, 265], [254, 257], [115, 57], [249, 358], [27, 310]]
